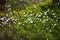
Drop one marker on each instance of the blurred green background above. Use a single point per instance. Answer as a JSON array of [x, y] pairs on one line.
[[30, 20]]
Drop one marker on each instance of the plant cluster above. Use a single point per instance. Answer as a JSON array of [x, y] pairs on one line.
[[36, 22]]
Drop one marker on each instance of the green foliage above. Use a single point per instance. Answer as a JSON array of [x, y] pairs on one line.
[[36, 22]]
